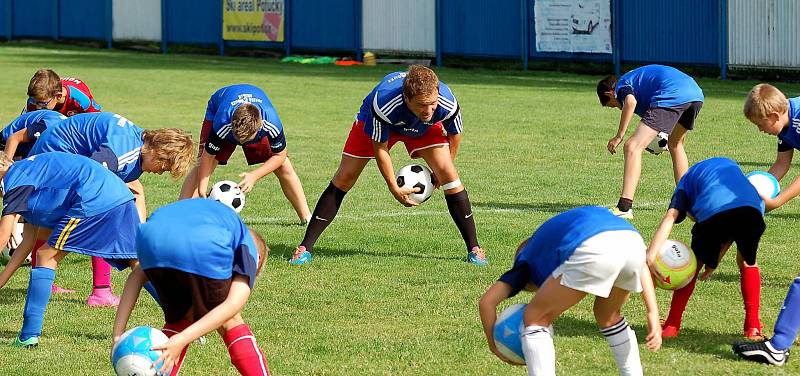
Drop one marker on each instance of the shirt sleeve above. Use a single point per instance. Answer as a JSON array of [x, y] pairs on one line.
[[16, 200], [275, 135], [622, 92], [783, 146], [244, 262], [680, 201], [214, 143], [376, 129], [518, 277], [35, 130], [107, 158], [453, 124], [81, 99]]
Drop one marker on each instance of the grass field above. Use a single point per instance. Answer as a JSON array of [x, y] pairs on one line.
[[388, 291]]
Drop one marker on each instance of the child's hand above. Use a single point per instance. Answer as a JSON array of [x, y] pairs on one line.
[[170, 353], [248, 182], [654, 339], [651, 264], [401, 194], [613, 143], [498, 354]]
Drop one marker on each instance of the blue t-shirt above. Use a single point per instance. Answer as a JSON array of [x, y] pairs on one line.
[[556, 240], [220, 112], [713, 186], [47, 187], [657, 86], [789, 138], [34, 123], [384, 110], [106, 137], [212, 241]]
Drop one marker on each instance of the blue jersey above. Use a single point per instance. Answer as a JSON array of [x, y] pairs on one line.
[[48, 187], [556, 240], [34, 123], [657, 86], [384, 110], [212, 241], [713, 186], [108, 138], [220, 112], [789, 138]]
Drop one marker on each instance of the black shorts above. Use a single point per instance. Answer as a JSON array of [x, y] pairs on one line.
[[664, 119], [743, 225], [182, 292]]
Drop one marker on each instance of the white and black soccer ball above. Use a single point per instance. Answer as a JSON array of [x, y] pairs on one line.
[[228, 193], [659, 144], [16, 240], [418, 176]]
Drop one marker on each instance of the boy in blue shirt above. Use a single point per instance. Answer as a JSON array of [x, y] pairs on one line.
[[242, 115], [415, 108], [667, 100], [726, 208], [18, 137], [769, 109], [583, 251], [79, 207], [203, 267]]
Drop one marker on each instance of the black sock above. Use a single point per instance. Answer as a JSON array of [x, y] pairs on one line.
[[461, 211], [624, 204], [327, 207]]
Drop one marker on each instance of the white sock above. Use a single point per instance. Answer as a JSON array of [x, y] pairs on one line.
[[622, 340], [540, 354]]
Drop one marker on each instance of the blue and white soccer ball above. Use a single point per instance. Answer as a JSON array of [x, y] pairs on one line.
[[132, 356], [658, 144], [418, 176], [507, 331], [228, 193], [765, 183]]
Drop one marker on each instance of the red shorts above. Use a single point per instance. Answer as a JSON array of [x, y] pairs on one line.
[[359, 145], [254, 153]]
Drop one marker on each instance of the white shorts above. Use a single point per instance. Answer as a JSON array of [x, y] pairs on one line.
[[606, 260]]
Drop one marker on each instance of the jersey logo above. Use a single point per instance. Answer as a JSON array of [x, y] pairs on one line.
[[212, 146]]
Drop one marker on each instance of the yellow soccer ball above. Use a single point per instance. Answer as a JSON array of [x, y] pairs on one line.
[[677, 263]]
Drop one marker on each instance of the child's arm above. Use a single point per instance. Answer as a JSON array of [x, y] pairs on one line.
[[207, 165], [627, 114], [137, 188], [384, 161], [19, 137], [661, 235], [233, 304], [454, 140], [249, 179], [653, 325], [130, 294], [487, 306], [783, 162], [7, 223]]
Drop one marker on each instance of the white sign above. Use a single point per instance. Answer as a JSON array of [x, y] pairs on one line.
[[573, 25]]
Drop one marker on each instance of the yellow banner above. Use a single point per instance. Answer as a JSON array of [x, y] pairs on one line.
[[253, 20]]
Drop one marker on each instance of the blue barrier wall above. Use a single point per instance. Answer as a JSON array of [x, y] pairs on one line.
[[675, 31], [481, 28], [325, 25], [73, 22], [34, 18], [193, 22]]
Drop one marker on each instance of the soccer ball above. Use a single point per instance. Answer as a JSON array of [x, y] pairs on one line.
[[418, 176], [658, 144], [677, 263], [228, 193], [765, 183], [16, 235], [132, 356], [507, 331]]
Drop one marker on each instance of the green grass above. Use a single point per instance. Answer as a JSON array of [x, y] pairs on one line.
[[388, 291]]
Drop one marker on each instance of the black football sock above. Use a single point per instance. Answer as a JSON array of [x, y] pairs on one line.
[[461, 211], [327, 207], [624, 204]]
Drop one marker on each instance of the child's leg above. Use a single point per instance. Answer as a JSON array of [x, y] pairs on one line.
[[293, 190], [102, 295], [680, 298], [750, 281], [537, 339], [633, 149], [39, 287], [789, 319], [620, 337], [245, 354], [171, 330], [680, 163]]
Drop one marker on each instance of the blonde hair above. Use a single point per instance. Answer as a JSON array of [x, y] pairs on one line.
[[263, 250], [762, 100], [5, 163], [420, 80], [171, 147], [45, 84], [246, 121]]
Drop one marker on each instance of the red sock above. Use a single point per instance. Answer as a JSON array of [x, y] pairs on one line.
[[680, 298], [171, 330], [244, 351], [751, 294], [36, 246], [101, 273]]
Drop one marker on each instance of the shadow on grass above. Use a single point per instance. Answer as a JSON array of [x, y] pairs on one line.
[[547, 207], [12, 296], [285, 252], [7, 334]]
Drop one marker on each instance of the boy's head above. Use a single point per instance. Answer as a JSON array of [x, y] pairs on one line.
[[246, 122], [605, 92], [767, 108], [263, 250], [167, 149], [44, 90], [421, 91]]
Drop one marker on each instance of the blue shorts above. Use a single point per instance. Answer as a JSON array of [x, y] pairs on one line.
[[110, 235]]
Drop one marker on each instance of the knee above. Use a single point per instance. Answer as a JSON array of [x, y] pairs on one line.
[[604, 319], [632, 147], [540, 317]]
